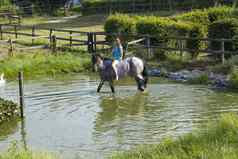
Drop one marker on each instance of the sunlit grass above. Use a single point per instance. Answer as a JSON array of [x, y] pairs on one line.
[[14, 152], [218, 141], [43, 63]]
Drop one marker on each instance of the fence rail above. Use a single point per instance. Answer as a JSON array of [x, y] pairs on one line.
[[94, 39]]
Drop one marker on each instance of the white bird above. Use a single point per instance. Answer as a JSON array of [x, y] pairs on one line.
[[2, 80]]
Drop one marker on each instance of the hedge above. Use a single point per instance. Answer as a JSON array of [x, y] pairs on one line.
[[224, 29], [121, 24], [158, 27], [194, 24], [89, 6]]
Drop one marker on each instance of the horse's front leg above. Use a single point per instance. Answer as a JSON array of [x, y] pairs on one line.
[[112, 86], [140, 83], [100, 86]]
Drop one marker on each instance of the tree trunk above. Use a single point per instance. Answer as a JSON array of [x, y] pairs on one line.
[[234, 3]]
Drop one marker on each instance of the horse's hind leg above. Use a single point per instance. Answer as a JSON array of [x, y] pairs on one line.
[[100, 86], [112, 86]]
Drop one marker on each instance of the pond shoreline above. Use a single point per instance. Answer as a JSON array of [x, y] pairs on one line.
[[195, 76]]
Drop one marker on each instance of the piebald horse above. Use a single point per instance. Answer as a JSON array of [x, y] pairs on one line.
[[131, 66]]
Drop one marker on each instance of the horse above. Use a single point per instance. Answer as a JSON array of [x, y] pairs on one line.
[[131, 66]]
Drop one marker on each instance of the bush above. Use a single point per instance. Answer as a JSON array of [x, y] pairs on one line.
[[8, 110], [219, 13], [202, 79], [194, 44], [120, 24], [197, 16], [224, 29], [158, 27], [234, 78]]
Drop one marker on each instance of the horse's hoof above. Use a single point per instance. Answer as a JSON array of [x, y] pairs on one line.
[[142, 89]]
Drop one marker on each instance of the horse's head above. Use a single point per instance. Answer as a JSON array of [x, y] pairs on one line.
[[97, 60]]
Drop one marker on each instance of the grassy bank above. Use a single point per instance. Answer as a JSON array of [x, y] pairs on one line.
[[14, 152], [44, 64], [217, 141]]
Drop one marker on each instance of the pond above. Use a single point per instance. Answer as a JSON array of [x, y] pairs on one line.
[[65, 114]]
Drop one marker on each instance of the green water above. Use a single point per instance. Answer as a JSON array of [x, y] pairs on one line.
[[65, 114]]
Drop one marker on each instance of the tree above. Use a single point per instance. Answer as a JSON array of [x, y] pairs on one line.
[[235, 3], [43, 6]]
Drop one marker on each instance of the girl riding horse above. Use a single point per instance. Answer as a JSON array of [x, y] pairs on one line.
[[117, 53], [131, 66]]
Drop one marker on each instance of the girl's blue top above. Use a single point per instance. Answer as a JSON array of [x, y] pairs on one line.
[[116, 53]]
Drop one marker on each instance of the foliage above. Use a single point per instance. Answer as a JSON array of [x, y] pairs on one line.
[[43, 64], [8, 110], [194, 44], [224, 29], [218, 140], [234, 78], [15, 152], [202, 79], [41, 6], [89, 6], [219, 13], [121, 24], [158, 27]]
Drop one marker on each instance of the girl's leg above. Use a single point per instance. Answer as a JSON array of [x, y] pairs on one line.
[[114, 63]]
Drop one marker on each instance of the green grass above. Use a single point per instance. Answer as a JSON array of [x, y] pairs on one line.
[[14, 152], [35, 64], [218, 141]]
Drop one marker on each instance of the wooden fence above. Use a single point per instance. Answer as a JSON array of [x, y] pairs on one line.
[[91, 40]]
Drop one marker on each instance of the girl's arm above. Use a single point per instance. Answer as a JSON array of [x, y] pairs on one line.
[[121, 51]]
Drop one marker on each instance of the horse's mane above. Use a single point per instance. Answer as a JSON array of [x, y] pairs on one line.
[[104, 58]]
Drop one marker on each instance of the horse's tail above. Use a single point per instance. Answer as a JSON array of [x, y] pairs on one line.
[[145, 75]]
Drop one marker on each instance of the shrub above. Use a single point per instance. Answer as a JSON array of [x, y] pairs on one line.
[[224, 29], [202, 79], [8, 110], [219, 13], [197, 16], [194, 44], [120, 24], [234, 78], [158, 27]]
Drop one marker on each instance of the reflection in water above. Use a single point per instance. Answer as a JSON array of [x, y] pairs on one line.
[[114, 108], [8, 128], [23, 134]]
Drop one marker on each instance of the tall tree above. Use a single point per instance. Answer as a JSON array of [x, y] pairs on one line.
[[235, 2], [44, 6]]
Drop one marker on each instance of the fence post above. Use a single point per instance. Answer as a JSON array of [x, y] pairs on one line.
[[148, 45], [181, 48], [50, 38], [90, 42], [21, 93], [15, 28], [54, 44], [70, 39], [1, 32], [222, 51], [10, 49], [94, 42], [33, 34]]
